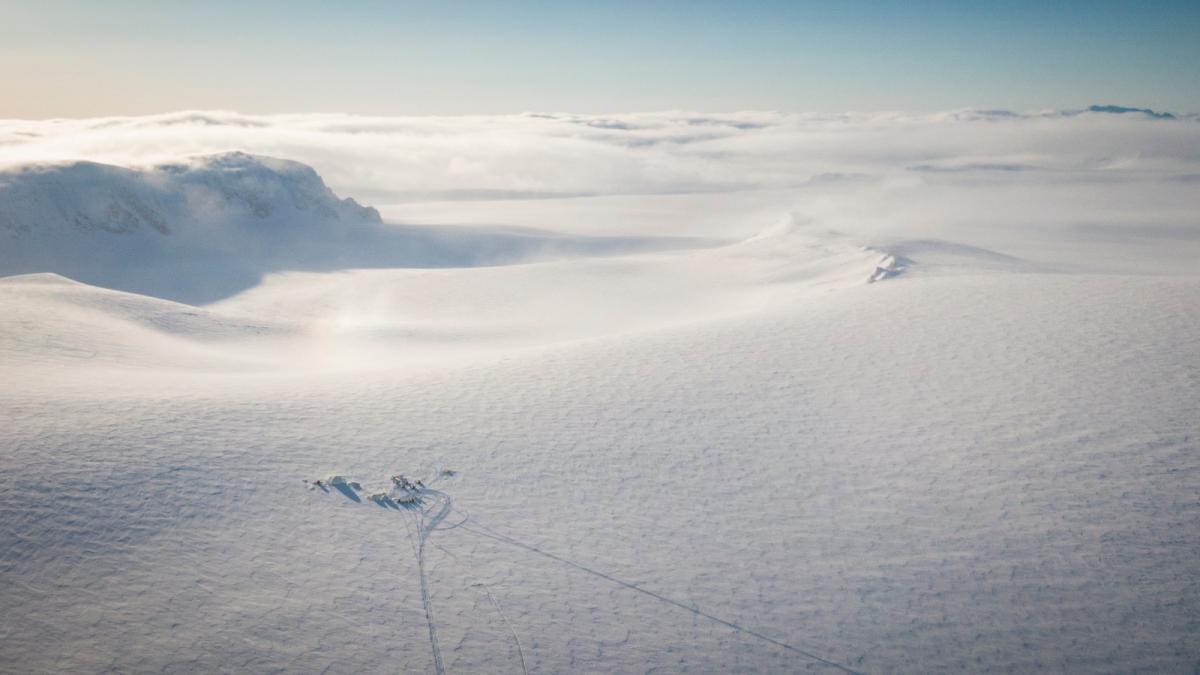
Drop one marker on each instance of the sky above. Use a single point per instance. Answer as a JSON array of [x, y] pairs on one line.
[[61, 58]]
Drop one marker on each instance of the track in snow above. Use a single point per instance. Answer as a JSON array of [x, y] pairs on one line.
[[424, 526], [494, 535], [423, 529], [495, 603]]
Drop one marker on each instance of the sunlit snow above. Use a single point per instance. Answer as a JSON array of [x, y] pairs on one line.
[[747, 393]]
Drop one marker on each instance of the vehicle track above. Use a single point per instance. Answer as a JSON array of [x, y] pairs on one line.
[[495, 603], [485, 531]]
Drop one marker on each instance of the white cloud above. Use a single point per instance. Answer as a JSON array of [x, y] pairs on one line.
[[393, 159]]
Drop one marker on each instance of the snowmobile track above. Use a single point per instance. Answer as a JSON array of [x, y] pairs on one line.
[[495, 603], [492, 534]]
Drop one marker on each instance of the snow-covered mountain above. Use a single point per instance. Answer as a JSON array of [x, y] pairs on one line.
[[254, 192], [194, 229], [203, 229]]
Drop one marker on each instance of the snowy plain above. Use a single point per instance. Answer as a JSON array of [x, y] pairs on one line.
[[752, 392]]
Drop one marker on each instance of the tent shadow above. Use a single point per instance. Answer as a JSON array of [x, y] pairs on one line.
[[347, 492]]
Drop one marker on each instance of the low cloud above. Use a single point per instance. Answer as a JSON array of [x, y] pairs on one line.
[[400, 159]]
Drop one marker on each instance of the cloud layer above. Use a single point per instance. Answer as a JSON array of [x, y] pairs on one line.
[[402, 159]]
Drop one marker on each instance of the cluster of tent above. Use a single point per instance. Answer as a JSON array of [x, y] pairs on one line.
[[407, 492]]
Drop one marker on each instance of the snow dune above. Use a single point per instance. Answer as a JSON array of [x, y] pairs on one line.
[[902, 421]]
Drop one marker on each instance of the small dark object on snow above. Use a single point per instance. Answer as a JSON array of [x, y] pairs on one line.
[[404, 483]]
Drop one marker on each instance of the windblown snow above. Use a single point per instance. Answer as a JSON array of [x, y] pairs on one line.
[[645, 393]]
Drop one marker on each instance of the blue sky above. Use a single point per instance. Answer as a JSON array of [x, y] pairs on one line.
[[76, 59]]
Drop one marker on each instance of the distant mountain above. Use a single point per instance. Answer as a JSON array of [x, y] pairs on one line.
[[1120, 110], [999, 114]]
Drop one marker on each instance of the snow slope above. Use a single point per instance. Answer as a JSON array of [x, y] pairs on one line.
[[213, 225], [939, 422]]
